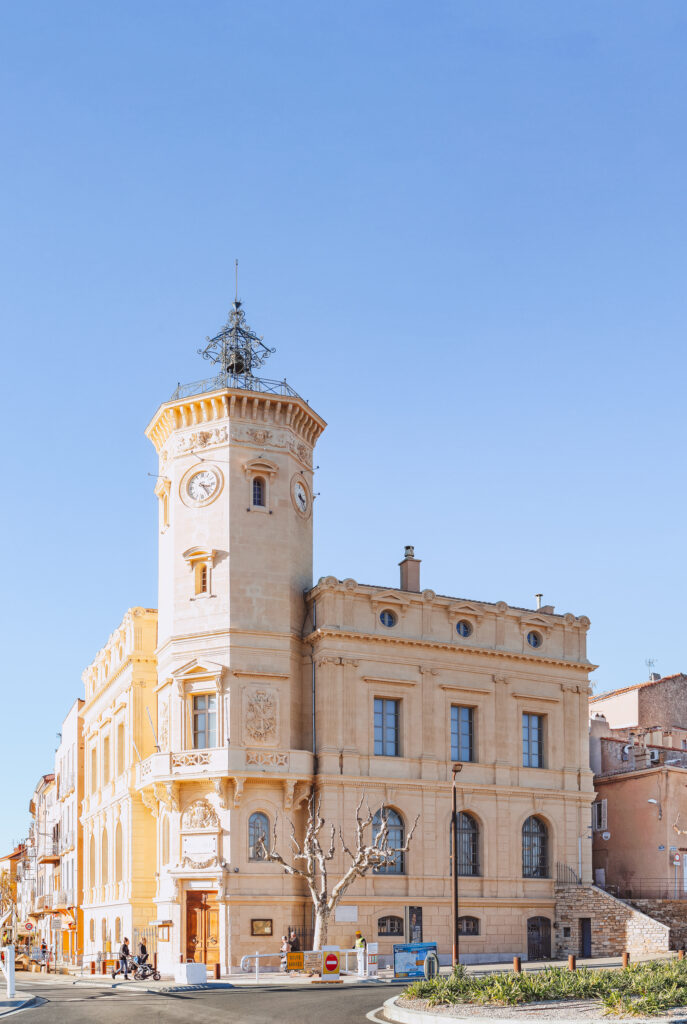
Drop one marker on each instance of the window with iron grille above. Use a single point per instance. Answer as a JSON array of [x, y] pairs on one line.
[[396, 839], [462, 734], [468, 926], [386, 716], [204, 721], [532, 741], [535, 852]]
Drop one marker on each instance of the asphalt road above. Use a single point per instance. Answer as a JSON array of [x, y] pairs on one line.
[[272, 1004]]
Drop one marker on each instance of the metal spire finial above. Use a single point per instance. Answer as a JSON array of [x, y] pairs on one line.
[[236, 349]]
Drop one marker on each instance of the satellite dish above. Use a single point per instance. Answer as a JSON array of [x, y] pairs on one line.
[[605, 835]]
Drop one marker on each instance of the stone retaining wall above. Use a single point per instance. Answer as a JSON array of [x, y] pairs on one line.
[[616, 926], [670, 912]]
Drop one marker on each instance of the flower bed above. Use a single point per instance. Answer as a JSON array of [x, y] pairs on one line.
[[640, 990]]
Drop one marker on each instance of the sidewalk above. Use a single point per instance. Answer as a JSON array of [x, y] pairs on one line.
[[20, 1001], [281, 980]]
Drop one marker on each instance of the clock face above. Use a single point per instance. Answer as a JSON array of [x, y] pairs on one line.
[[202, 485], [300, 498]]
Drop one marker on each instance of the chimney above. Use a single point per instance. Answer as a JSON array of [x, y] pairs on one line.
[[410, 571]]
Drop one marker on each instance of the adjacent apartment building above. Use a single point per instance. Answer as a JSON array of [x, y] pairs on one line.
[[638, 745]]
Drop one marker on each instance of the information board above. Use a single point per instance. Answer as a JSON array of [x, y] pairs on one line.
[[312, 961], [294, 961], [409, 959]]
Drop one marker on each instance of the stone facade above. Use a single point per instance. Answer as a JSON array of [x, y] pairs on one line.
[[672, 913], [616, 926]]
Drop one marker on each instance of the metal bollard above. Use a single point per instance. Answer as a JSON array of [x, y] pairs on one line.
[[257, 966], [155, 961], [626, 959], [517, 966], [572, 962], [103, 967], [217, 974], [92, 966]]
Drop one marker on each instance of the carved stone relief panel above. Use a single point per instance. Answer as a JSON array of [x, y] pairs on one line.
[[260, 715], [199, 814]]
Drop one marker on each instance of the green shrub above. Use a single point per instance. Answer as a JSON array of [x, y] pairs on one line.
[[645, 989]]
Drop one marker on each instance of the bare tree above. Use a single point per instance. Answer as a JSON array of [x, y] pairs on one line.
[[364, 857], [8, 897]]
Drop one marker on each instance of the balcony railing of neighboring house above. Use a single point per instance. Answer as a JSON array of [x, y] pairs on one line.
[[49, 850], [66, 841], [42, 902], [647, 888], [63, 899], [66, 784], [565, 875]]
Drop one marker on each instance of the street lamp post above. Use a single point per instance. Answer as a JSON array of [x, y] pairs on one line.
[[455, 768]]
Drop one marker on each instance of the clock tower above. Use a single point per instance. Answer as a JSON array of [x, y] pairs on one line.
[[235, 494]]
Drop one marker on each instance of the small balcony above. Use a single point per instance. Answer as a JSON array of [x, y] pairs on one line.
[[223, 761], [63, 899], [49, 852], [66, 842]]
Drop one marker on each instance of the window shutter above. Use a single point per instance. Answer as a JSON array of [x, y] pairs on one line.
[[604, 815]]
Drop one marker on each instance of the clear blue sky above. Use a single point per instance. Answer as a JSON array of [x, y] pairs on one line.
[[462, 225]]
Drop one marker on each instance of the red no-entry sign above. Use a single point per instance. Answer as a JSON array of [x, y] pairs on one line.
[[331, 962]]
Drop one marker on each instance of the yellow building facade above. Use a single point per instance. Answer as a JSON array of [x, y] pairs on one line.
[[118, 833]]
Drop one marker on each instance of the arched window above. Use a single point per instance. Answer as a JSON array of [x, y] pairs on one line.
[[396, 839], [118, 853], [535, 852], [91, 867], [258, 825], [468, 844], [390, 925], [103, 931], [468, 926], [201, 578], [104, 861], [259, 490], [120, 748], [91, 930], [118, 929], [106, 759], [94, 770], [165, 840]]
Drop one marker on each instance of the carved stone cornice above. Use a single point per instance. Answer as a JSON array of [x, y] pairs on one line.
[[216, 407]]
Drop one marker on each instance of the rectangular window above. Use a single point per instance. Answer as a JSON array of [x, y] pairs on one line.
[[600, 816], [386, 727], [204, 721], [462, 734], [533, 741]]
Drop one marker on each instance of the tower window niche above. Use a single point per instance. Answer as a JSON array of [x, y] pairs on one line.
[[259, 492], [200, 562]]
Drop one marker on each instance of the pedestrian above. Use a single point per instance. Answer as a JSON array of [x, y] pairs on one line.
[[295, 942], [44, 950], [124, 954], [360, 946], [142, 952], [284, 949], [360, 942]]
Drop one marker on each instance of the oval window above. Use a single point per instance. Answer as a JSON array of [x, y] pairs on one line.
[[463, 628], [388, 618], [534, 639]]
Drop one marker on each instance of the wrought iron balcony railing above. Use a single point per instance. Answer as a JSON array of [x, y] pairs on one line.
[[242, 382]]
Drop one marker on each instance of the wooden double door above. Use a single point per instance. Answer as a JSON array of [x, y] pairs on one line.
[[202, 927]]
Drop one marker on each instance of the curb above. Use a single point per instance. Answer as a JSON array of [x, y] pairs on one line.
[[210, 987], [31, 1001], [394, 1014]]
